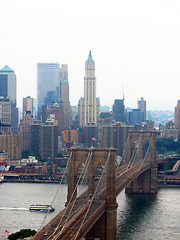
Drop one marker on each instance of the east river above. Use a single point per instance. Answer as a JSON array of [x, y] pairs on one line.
[[140, 217]]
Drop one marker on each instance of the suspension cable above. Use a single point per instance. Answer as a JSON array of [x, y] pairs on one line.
[[118, 164], [130, 159], [91, 200], [125, 147], [57, 190], [145, 156], [86, 162], [135, 152]]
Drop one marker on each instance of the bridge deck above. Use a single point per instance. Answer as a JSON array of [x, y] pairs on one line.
[[96, 208]]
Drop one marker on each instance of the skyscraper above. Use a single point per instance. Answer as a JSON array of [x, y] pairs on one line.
[[64, 96], [8, 84], [48, 85], [118, 110], [8, 89], [58, 110], [25, 130], [141, 104], [44, 139], [89, 105], [27, 105], [5, 111], [177, 118]]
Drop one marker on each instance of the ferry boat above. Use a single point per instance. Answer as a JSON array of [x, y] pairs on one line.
[[41, 207]]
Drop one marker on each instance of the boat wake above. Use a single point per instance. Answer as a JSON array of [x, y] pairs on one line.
[[14, 209]]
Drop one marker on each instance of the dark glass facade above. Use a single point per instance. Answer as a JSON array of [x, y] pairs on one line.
[[35, 136], [44, 140], [118, 110], [48, 85], [3, 85], [49, 141], [136, 116], [89, 133]]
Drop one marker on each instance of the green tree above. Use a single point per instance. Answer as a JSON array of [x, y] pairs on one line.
[[167, 143], [178, 150], [162, 150], [25, 154], [22, 234]]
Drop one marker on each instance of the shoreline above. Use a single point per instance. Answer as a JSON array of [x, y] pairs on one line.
[[65, 182]]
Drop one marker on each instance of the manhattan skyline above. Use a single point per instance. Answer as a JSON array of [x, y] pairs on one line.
[[136, 44]]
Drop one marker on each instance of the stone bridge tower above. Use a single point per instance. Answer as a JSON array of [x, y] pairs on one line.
[[147, 181], [106, 227]]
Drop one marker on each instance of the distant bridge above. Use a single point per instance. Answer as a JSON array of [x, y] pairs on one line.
[[93, 215]]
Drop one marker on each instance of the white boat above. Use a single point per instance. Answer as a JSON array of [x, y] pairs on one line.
[[41, 207], [1, 178]]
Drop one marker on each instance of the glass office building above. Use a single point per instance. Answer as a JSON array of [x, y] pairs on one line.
[[8, 84], [47, 85], [8, 90]]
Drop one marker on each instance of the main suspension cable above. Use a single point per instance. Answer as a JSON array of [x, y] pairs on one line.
[[136, 150], [86, 163], [69, 159], [91, 200], [145, 156]]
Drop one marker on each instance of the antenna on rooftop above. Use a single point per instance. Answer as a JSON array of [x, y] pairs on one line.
[[123, 91]]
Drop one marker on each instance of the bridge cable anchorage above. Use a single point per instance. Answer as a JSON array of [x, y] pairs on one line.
[[64, 226], [136, 151], [57, 190], [145, 157], [92, 199]]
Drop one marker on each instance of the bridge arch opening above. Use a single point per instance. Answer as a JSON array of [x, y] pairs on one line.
[[99, 171]]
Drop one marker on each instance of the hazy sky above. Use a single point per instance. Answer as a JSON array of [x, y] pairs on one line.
[[135, 43]]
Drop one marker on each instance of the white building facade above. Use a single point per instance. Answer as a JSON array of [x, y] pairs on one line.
[[89, 105]]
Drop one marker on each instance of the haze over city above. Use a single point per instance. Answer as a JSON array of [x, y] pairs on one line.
[[134, 43]]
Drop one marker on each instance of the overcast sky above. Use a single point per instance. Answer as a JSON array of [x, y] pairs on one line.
[[135, 43]]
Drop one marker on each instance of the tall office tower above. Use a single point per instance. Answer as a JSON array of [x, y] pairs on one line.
[[141, 104], [25, 130], [8, 84], [49, 141], [27, 105], [5, 110], [90, 133], [48, 85], [177, 118], [89, 105], [118, 111], [115, 135], [104, 119], [5, 116], [44, 139], [11, 144], [135, 116], [56, 109], [64, 96], [35, 137], [8, 89]]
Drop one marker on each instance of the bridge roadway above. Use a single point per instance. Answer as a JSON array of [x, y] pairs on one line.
[[75, 218]]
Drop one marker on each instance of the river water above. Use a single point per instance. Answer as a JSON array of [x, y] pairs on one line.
[[140, 217]]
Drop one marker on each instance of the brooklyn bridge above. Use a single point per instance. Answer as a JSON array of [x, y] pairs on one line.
[[93, 215]]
